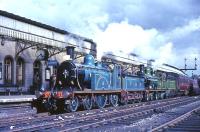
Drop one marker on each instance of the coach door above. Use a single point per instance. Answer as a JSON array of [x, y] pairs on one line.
[[37, 75]]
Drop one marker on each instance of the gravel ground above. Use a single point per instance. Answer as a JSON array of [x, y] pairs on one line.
[[15, 111], [140, 125], [145, 125]]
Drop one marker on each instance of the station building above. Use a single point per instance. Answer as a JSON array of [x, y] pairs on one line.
[[22, 44]]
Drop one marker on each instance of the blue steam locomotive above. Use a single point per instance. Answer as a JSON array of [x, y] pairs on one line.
[[97, 84]]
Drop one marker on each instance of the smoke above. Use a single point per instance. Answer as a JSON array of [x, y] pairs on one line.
[[127, 38], [149, 43], [180, 32]]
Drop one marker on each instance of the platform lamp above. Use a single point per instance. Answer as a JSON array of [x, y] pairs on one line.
[[2, 41], [47, 74]]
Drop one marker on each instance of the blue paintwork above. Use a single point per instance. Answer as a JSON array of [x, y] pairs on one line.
[[89, 60], [52, 63], [101, 78], [116, 78], [89, 67], [133, 83], [88, 70], [101, 81], [107, 80]]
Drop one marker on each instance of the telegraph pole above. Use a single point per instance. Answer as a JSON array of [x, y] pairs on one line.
[[190, 69]]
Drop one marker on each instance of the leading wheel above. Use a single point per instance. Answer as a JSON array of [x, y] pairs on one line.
[[48, 104], [87, 103], [114, 100], [39, 106], [101, 101], [73, 104]]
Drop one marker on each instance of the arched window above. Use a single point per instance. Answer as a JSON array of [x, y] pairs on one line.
[[20, 68], [37, 73], [8, 70]]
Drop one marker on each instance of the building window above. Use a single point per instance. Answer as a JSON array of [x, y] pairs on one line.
[[8, 70], [1, 71], [20, 72], [53, 70], [37, 73]]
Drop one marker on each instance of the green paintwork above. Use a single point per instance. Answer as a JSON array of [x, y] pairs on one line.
[[167, 84]]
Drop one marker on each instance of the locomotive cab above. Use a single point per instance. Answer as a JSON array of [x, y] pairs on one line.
[[151, 81]]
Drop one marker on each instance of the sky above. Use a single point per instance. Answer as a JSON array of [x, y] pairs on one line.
[[165, 30]]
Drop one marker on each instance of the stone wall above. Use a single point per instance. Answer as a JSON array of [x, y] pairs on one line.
[[8, 49]]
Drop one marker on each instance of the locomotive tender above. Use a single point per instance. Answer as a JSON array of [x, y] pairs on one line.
[[97, 84]]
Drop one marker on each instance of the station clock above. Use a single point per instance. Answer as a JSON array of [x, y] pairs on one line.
[[42, 54]]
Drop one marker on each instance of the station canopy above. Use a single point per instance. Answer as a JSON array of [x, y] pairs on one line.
[[28, 33]]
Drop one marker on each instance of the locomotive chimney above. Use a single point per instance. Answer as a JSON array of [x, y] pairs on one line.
[[141, 69], [70, 51]]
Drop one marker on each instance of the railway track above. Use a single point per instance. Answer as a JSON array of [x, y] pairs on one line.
[[20, 118], [84, 121], [189, 122], [14, 106], [10, 110], [123, 118]]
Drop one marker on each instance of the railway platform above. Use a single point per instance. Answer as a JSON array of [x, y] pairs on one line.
[[16, 98]]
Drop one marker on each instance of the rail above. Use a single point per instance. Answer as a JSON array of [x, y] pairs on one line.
[[77, 123], [175, 121]]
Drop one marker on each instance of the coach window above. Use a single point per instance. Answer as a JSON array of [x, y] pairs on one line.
[[20, 72], [8, 70]]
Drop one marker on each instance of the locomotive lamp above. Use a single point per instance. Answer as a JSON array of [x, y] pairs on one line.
[[141, 69]]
